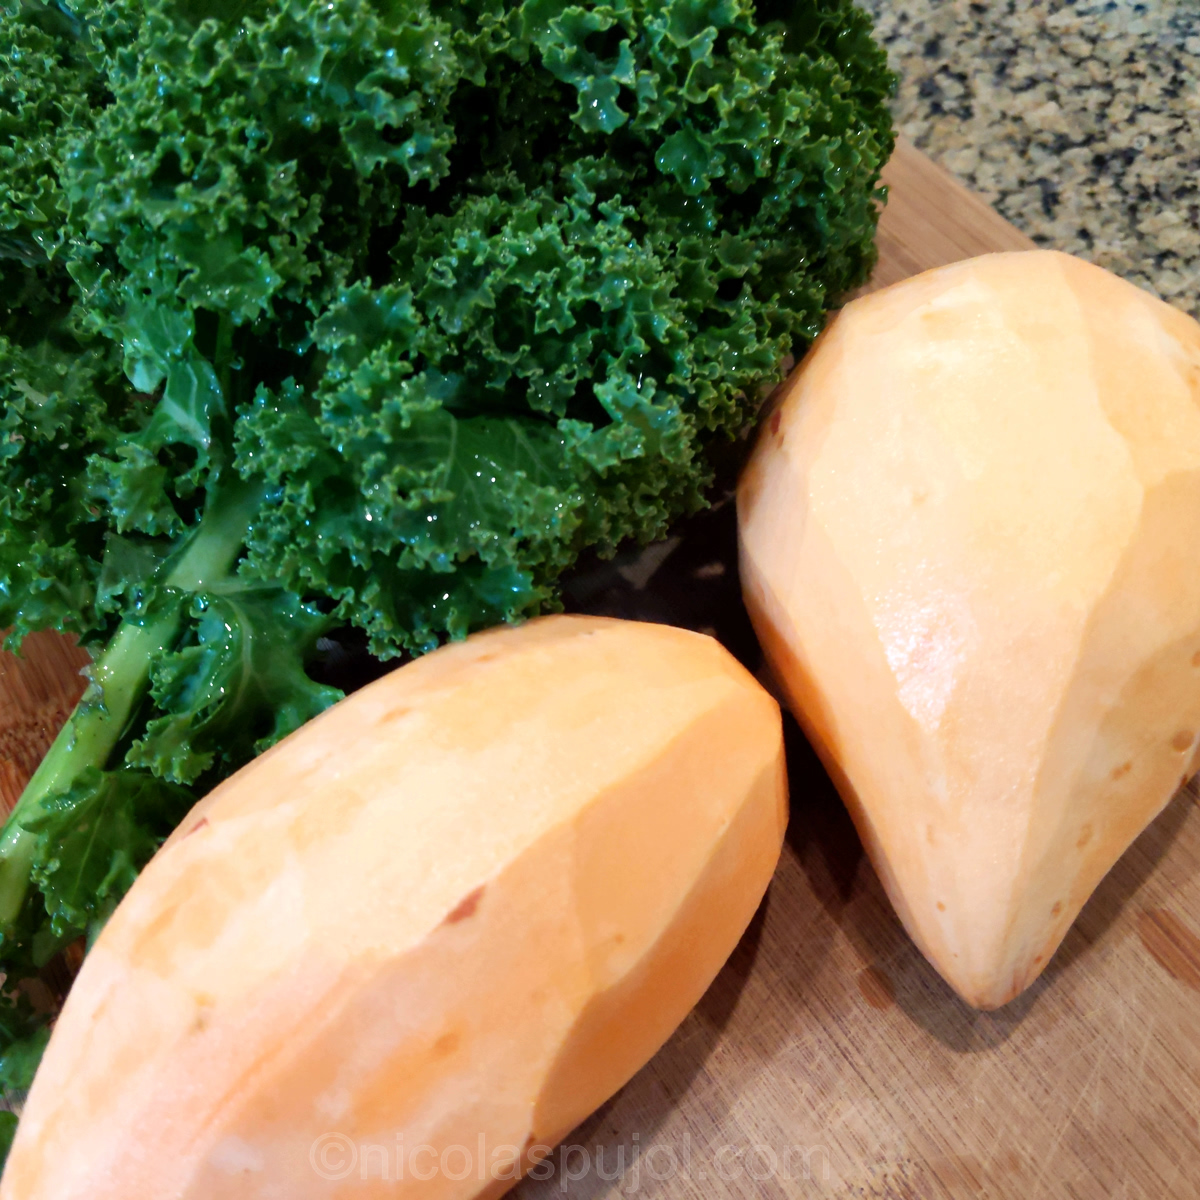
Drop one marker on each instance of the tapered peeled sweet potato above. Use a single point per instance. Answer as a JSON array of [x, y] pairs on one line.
[[970, 544], [450, 916]]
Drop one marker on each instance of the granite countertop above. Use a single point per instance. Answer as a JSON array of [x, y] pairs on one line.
[[1079, 122]]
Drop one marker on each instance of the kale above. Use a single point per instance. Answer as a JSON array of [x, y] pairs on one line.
[[318, 313]]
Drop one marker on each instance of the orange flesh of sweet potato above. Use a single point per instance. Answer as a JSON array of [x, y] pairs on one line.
[[969, 539], [469, 901]]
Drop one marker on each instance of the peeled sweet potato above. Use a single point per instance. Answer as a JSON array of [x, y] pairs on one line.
[[969, 543], [460, 909]]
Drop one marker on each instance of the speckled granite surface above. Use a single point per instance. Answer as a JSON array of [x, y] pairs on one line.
[[1080, 122]]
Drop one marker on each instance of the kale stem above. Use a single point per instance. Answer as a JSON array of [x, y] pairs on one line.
[[119, 679]]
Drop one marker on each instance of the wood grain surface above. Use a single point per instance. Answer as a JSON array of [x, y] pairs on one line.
[[828, 1058], [931, 220], [38, 689]]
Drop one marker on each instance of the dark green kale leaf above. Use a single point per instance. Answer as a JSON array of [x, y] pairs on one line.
[[57, 398], [235, 683], [94, 838], [587, 235]]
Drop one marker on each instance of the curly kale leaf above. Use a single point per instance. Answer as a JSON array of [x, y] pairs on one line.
[[235, 684], [94, 838], [585, 235], [56, 386], [56, 409], [39, 42], [385, 539]]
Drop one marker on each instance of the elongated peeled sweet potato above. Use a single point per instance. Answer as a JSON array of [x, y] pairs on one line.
[[970, 543], [452, 915]]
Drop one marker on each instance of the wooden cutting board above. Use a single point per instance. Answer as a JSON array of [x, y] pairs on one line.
[[828, 1058]]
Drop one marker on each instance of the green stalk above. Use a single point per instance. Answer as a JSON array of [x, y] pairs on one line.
[[119, 680]]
